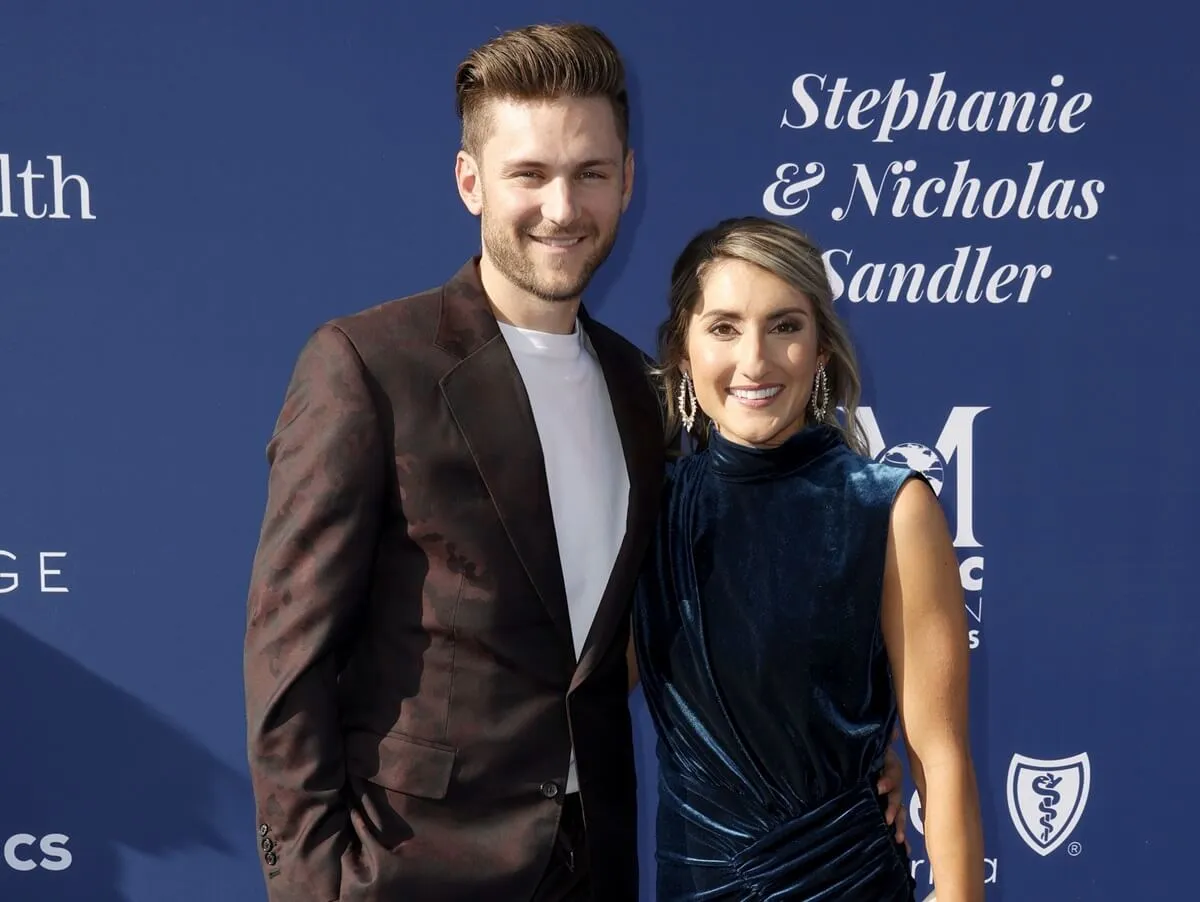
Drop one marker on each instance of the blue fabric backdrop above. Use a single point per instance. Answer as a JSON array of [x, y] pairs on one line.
[[188, 188]]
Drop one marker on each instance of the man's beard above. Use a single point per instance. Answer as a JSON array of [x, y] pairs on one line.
[[507, 252]]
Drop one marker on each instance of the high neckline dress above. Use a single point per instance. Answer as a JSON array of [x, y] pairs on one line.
[[762, 660]]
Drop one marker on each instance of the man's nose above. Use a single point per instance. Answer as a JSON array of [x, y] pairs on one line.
[[559, 204]]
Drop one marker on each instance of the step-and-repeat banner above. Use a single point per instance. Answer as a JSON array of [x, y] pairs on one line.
[[1006, 196]]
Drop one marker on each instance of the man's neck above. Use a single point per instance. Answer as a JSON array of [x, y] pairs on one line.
[[519, 308]]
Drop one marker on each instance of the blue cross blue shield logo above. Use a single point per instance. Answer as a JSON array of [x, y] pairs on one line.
[[1046, 798]]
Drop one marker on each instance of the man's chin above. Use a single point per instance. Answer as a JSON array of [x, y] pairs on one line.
[[559, 286], [559, 296]]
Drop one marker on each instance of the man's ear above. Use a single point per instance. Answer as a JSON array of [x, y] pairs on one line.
[[469, 179]]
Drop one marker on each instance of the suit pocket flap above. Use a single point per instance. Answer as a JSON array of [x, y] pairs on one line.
[[413, 766]]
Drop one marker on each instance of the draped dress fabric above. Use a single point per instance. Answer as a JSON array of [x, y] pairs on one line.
[[762, 661]]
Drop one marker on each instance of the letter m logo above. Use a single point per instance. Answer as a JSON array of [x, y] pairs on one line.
[[955, 445]]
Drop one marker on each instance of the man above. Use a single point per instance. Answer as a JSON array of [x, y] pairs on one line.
[[462, 486]]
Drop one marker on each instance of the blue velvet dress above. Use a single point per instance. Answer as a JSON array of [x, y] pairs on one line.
[[757, 629]]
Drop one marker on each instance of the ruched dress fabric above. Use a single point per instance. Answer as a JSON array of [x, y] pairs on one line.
[[762, 660]]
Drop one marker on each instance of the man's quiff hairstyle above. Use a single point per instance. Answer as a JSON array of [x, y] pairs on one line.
[[539, 62]]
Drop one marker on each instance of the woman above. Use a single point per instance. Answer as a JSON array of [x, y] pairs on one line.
[[799, 598]]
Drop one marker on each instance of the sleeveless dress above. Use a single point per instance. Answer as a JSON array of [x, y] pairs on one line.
[[758, 637]]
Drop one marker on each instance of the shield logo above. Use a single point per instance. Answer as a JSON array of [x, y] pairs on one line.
[[1046, 798]]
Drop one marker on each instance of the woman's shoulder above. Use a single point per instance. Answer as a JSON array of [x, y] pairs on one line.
[[871, 478], [682, 479], [684, 466]]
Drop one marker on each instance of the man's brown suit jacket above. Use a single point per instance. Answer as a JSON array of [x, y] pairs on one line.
[[411, 685]]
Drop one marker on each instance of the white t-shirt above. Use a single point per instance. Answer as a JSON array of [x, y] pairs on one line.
[[585, 465]]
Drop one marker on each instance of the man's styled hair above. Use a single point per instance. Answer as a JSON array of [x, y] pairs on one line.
[[539, 62]]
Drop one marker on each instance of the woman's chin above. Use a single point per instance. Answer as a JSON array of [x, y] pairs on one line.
[[758, 431]]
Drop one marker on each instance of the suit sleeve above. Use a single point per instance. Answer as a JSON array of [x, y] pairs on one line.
[[308, 585]]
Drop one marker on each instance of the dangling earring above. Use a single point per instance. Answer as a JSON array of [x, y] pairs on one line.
[[821, 388], [687, 402]]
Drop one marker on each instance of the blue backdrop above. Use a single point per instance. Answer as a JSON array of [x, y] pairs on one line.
[[188, 188]]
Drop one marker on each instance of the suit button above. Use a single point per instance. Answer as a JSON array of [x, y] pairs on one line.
[[271, 858], [264, 830], [267, 845], [549, 790]]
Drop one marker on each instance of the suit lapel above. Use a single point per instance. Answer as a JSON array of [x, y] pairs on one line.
[[488, 400], [639, 425], [489, 403]]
